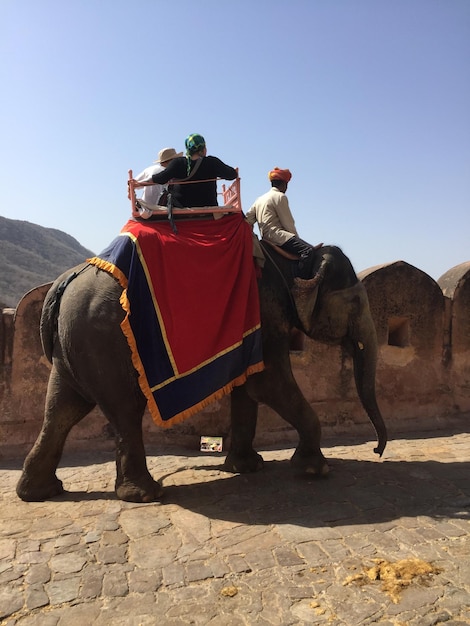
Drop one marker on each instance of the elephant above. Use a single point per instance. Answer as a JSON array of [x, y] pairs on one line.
[[81, 316]]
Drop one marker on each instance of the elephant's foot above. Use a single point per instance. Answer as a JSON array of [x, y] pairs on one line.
[[31, 490], [313, 463], [243, 463], [149, 490]]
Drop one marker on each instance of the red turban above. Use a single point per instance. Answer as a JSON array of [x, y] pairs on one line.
[[278, 174]]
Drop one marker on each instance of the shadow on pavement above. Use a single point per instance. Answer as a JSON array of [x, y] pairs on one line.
[[356, 492]]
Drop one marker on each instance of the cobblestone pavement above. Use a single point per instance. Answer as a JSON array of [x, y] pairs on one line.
[[268, 548]]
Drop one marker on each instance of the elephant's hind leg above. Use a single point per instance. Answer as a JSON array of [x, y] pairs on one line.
[[64, 408], [242, 458], [134, 483]]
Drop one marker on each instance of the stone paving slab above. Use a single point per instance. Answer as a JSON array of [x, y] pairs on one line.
[[265, 549]]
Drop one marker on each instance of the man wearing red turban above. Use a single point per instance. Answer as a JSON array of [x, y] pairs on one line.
[[275, 222], [278, 174]]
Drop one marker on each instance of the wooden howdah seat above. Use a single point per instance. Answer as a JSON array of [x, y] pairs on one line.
[[231, 200]]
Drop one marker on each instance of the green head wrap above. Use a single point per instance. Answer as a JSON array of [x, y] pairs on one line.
[[194, 143]]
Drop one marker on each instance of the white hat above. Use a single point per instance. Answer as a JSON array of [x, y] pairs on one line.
[[167, 154]]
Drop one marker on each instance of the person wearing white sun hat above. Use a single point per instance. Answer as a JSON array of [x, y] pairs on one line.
[[152, 193]]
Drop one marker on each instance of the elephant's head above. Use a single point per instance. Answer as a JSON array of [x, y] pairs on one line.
[[333, 308]]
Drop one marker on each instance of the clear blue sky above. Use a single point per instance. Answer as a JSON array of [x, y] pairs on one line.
[[367, 102]]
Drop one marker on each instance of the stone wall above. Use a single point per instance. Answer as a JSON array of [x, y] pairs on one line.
[[423, 376], [455, 285]]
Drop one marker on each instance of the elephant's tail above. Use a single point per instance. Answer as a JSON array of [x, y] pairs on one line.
[[50, 309]]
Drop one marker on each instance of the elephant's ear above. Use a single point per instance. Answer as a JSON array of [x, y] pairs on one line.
[[305, 299], [305, 293]]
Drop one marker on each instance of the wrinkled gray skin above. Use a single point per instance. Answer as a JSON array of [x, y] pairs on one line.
[[91, 365]]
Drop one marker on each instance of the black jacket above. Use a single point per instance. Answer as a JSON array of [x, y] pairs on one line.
[[194, 194]]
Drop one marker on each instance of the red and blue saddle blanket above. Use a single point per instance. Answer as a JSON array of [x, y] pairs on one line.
[[192, 309]]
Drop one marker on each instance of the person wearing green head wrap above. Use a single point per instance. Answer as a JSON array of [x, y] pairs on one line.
[[194, 143], [209, 168]]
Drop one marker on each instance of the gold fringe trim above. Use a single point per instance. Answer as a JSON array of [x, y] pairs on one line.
[[110, 268], [217, 395], [125, 324]]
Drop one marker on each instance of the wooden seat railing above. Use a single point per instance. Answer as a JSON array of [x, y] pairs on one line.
[[232, 195], [231, 198]]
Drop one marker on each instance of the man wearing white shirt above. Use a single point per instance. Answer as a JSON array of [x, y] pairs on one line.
[[152, 193]]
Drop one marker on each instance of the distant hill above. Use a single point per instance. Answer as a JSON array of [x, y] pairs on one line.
[[31, 255]]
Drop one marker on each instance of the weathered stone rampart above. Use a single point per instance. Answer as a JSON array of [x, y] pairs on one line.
[[423, 376]]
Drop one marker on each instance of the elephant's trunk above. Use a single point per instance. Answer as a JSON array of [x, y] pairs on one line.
[[363, 341]]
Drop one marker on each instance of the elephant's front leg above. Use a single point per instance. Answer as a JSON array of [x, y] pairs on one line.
[[308, 457], [277, 388], [244, 412]]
